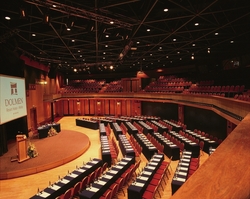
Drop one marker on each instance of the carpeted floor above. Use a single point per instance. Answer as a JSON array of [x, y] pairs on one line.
[[52, 152]]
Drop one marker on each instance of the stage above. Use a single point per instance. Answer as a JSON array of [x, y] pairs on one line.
[[52, 152]]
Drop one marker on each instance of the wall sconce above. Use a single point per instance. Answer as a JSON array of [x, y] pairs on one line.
[[118, 103], [98, 102]]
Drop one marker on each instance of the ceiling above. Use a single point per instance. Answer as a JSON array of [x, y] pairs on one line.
[[128, 35]]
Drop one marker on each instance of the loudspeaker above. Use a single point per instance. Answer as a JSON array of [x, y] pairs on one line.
[[52, 72]]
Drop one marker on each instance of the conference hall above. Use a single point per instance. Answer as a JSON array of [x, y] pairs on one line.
[[104, 99]]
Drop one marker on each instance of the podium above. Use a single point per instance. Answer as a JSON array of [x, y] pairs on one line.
[[21, 143]]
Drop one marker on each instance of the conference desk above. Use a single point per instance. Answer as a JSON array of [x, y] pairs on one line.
[[146, 128], [170, 149], [102, 129], [87, 123], [105, 150], [68, 181], [181, 172], [116, 129], [101, 185], [125, 146], [161, 128], [138, 187], [175, 127], [188, 144], [207, 142], [148, 149], [43, 130], [131, 128]]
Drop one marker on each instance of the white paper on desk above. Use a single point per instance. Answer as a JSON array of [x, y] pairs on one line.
[[185, 160], [44, 194], [183, 168], [106, 151], [119, 167], [81, 170], [187, 152], [151, 147], [156, 159], [127, 158], [149, 167], [54, 187], [186, 156], [73, 175], [113, 171], [182, 173], [123, 163], [184, 164], [101, 182], [158, 156], [107, 176], [180, 179], [93, 189], [193, 143], [142, 178], [153, 163], [64, 181], [147, 173], [138, 184], [172, 145], [87, 166]]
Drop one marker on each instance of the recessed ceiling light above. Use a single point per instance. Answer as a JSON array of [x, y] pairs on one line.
[[79, 51], [178, 52], [80, 55], [180, 58], [33, 35], [75, 70], [68, 29], [7, 18], [231, 41], [137, 42], [104, 53], [103, 58], [111, 22], [196, 24], [73, 40], [174, 39], [151, 54], [54, 6], [111, 67], [165, 10], [193, 44], [148, 30], [106, 46], [192, 57], [167, 56], [107, 36], [216, 33]]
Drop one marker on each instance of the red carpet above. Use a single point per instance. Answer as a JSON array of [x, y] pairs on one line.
[[53, 151]]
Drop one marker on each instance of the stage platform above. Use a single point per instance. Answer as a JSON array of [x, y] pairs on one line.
[[52, 152]]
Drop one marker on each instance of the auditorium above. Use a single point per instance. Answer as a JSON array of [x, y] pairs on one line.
[[124, 99]]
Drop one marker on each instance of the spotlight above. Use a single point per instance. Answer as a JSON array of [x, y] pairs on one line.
[[23, 13], [46, 18]]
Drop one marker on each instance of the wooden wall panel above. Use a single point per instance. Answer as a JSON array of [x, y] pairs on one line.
[[82, 107], [99, 105], [118, 108], [65, 107], [86, 107], [135, 85], [124, 107], [59, 107], [112, 107], [128, 107], [92, 103], [181, 113], [71, 107], [106, 107]]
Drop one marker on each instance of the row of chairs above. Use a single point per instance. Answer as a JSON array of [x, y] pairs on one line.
[[175, 141], [153, 126], [123, 128], [108, 130], [74, 191], [211, 137], [159, 146], [136, 146], [184, 126], [138, 126], [120, 183], [114, 149], [156, 181]]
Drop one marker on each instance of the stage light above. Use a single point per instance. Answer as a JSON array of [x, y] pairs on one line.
[[22, 13], [46, 18]]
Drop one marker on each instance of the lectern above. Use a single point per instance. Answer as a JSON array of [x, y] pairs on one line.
[[21, 143]]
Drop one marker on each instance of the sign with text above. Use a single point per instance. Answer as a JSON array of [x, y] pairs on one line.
[[12, 98]]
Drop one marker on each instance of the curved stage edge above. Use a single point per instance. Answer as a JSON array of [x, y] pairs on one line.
[[69, 146]]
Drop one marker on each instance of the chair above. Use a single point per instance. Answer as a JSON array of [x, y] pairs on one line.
[[91, 177], [84, 182], [67, 194], [107, 196], [76, 189], [104, 167], [150, 192], [201, 146]]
